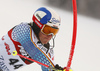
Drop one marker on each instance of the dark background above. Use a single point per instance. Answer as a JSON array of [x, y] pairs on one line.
[[85, 7]]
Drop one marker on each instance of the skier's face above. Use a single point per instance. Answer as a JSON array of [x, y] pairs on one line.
[[44, 38]]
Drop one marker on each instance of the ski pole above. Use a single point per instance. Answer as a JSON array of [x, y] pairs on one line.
[[15, 53]]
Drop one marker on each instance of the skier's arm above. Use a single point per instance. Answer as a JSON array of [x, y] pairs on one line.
[[25, 36]]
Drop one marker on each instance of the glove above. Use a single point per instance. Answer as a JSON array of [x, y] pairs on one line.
[[58, 68]]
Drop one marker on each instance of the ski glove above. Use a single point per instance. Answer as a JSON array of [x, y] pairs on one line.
[[57, 68]]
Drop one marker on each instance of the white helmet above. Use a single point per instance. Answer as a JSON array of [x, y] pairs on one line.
[[45, 15]]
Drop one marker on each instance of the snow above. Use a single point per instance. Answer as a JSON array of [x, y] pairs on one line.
[[87, 51]]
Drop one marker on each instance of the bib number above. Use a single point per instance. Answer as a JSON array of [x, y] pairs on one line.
[[13, 62]]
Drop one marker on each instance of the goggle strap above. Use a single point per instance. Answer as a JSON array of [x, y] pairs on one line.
[[53, 42]]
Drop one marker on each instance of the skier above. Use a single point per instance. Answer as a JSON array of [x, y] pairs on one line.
[[31, 40]]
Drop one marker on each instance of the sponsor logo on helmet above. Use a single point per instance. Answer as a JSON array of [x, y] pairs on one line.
[[54, 21]]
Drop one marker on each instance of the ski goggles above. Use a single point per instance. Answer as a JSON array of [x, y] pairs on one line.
[[48, 30]]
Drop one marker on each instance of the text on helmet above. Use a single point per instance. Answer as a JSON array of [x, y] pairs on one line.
[[54, 21]]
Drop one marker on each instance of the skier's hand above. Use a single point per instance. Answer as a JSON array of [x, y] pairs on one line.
[[58, 68]]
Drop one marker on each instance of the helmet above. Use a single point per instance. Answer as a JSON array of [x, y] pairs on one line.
[[47, 18]]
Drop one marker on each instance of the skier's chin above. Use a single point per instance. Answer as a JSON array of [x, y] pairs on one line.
[[45, 42]]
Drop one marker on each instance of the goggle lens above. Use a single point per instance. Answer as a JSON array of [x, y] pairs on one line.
[[49, 30]]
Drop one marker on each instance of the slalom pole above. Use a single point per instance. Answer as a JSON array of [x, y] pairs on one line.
[[74, 34]]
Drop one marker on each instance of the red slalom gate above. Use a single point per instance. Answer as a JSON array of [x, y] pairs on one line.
[[74, 34]]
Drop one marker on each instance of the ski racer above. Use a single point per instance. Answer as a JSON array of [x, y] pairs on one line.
[[31, 40]]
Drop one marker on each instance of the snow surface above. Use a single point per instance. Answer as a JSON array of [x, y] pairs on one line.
[[87, 51]]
